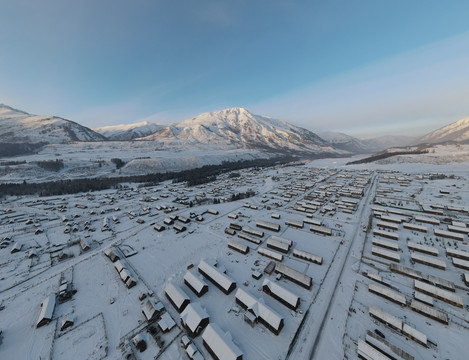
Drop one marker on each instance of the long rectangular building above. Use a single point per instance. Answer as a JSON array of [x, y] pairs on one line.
[[449, 234], [320, 229], [249, 238], [429, 311], [294, 223], [415, 227], [268, 225], [458, 229], [387, 294], [427, 260], [386, 254], [427, 220], [387, 225], [220, 343], [430, 250], [279, 245], [457, 253], [447, 296], [235, 245], [294, 275], [220, 280], [460, 263], [269, 253], [391, 245], [386, 234], [253, 232], [386, 347], [281, 294], [406, 271], [307, 256], [368, 352]]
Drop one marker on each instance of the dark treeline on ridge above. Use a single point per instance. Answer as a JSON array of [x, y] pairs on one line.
[[199, 175]]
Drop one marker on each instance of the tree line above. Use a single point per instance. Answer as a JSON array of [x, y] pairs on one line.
[[73, 186]]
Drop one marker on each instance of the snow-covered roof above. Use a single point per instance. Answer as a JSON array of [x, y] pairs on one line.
[[47, 310], [259, 309], [368, 352], [384, 316], [307, 256], [221, 279], [196, 282], [282, 239], [151, 308], [427, 260], [457, 253], [429, 310], [293, 274], [281, 292], [385, 292], [192, 316], [414, 333], [282, 246], [166, 322], [176, 294], [269, 253], [422, 248], [220, 343], [437, 292]]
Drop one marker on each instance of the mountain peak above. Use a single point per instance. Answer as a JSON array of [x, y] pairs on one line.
[[457, 131], [238, 128], [5, 108]]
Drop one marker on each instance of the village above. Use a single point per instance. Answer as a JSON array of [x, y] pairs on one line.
[[284, 262]]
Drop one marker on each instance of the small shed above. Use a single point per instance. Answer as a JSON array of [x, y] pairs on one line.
[[166, 322]]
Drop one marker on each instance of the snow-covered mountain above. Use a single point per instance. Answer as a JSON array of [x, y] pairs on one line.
[[129, 131], [17, 126], [457, 132], [237, 128], [380, 143], [346, 142]]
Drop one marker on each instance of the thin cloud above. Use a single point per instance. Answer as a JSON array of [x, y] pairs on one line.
[[427, 86]]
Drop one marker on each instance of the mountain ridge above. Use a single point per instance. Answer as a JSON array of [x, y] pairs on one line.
[[457, 131], [238, 128]]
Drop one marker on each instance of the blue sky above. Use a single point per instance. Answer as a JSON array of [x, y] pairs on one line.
[[363, 67]]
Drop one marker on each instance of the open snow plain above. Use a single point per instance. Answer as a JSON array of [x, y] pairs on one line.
[[341, 228]]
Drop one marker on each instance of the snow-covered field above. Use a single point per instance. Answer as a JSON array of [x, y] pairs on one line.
[[91, 160], [333, 314]]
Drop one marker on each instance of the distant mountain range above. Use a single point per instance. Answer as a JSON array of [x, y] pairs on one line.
[[367, 145], [129, 131], [234, 128]]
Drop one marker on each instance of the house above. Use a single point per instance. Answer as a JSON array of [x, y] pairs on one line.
[[263, 313], [111, 255], [194, 318], [286, 297], [152, 309], [177, 297], [220, 344], [195, 283], [166, 322], [47, 310], [219, 279]]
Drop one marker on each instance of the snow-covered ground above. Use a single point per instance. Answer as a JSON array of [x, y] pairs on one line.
[[333, 313]]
